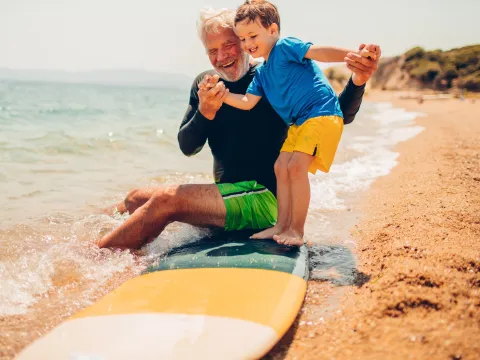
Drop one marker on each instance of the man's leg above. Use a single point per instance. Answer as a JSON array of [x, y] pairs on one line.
[[283, 198], [200, 205], [300, 192]]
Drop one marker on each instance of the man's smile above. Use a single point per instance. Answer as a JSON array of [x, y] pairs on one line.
[[229, 64]]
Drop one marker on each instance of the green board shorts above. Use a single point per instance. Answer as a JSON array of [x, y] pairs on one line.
[[249, 205]]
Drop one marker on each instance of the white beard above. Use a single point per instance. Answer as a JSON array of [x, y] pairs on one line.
[[244, 65]]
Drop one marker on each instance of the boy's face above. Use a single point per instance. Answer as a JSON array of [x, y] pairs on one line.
[[255, 39]]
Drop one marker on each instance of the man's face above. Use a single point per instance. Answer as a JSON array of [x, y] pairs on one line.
[[226, 55]]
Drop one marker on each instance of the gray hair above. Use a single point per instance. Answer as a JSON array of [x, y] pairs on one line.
[[213, 21]]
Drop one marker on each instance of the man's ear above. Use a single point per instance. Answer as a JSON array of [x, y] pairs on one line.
[[273, 29]]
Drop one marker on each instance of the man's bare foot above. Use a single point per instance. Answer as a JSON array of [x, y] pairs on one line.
[[115, 209], [268, 233], [110, 210], [290, 238]]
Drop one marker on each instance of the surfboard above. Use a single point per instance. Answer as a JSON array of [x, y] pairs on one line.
[[221, 297]]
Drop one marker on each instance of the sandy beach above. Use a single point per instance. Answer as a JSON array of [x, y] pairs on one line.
[[417, 294]]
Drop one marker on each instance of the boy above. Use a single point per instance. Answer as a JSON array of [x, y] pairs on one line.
[[302, 96]]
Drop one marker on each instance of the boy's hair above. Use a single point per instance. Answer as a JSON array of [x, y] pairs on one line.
[[262, 10]]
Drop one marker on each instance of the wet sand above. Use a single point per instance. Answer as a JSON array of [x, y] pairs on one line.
[[417, 291]]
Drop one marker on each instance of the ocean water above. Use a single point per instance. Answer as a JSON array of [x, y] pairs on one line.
[[67, 151]]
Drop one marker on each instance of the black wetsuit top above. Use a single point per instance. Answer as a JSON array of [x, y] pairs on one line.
[[246, 144]]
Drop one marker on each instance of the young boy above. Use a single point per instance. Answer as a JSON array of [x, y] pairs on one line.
[[299, 92]]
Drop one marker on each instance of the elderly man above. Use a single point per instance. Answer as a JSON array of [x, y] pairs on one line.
[[244, 145]]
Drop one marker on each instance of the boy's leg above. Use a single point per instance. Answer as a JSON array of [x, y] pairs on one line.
[[283, 198], [300, 195], [200, 205]]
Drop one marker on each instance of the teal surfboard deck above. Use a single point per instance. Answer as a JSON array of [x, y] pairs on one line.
[[236, 250]]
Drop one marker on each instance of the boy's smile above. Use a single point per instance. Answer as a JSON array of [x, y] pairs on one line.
[[255, 39]]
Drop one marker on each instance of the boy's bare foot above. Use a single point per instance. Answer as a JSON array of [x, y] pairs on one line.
[[290, 238], [268, 233]]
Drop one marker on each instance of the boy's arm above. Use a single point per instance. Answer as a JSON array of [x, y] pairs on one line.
[[243, 102], [333, 54]]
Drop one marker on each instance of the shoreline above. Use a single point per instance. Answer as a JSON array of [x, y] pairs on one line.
[[417, 292]]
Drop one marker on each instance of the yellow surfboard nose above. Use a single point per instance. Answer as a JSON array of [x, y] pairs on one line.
[[267, 297]]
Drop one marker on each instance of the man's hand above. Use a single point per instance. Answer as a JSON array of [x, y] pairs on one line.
[[363, 67], [211, 94]]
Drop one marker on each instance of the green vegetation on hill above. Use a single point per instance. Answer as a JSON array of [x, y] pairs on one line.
[[442, 70]]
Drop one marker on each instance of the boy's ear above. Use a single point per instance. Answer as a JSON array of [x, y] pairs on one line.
[[273, 29]]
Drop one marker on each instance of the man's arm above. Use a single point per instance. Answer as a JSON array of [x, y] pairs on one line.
[[192, 134], [350, 100], [363, 68], [202, 107]]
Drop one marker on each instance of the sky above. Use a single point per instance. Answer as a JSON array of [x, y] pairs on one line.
[[160, 35]]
